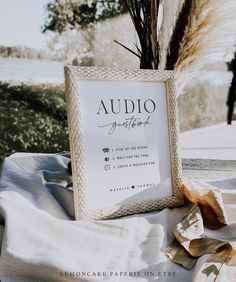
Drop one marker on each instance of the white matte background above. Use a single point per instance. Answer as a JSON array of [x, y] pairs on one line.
[[155, 136]]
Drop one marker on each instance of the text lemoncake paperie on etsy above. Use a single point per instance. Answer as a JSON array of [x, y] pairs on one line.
[[124, 141]]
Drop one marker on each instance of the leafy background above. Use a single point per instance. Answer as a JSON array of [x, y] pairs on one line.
[[32, 119]]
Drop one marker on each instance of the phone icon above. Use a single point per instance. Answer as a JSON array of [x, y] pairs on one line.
[[106, 150]]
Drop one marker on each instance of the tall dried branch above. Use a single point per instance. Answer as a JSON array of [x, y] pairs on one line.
[[178, 34], [154, 40], [167, 18], [144, 20], [128, 49]]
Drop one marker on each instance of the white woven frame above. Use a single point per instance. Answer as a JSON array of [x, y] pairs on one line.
[[72, 75]]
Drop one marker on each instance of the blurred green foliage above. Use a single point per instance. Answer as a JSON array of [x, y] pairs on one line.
[[73, 14], [32, 119]]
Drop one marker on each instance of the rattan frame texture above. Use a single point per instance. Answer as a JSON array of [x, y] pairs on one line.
[[72, 75]]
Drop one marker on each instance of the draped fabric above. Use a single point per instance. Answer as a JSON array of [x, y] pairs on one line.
[[40, 241]]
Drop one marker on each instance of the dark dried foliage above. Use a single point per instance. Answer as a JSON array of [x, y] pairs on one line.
[[178, 34]]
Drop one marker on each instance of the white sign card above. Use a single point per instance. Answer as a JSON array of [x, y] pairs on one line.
[[123, 137]]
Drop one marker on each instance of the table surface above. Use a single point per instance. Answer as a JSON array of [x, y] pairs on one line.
[[209, 169], [216, 142]]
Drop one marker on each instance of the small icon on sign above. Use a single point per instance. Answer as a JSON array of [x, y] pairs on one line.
[[106, 159], [106, 150], [133, 186], [107, 167]]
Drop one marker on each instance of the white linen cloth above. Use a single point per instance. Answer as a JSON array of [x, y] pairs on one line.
[[40, 241]]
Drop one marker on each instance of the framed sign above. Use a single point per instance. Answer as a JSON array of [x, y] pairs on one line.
[[123, 139]]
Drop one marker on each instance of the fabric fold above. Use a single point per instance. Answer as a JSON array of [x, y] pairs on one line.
[[190, 241], [210, 203]]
